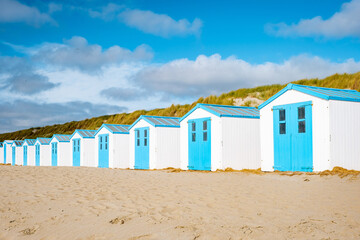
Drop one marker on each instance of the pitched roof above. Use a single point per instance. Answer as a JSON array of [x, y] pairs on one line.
[[226, 111], [159, 121], [18, 143], [320, 92], [44, 141], [84, 133], [8, 142], [1, 144], [61, 137], [115, 128], [30, 142]]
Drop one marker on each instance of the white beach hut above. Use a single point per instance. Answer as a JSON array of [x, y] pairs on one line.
[[7, 151], [155, 142], [60, 150], [42, 152], [219, 137], [305, 128], [18, 154], [112, 146], [1, 152], [29, 152], [83, 148]]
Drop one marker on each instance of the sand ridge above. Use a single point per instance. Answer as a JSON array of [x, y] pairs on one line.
[[93, 203]]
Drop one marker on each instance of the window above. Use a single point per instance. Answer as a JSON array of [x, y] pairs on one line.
[[193, 126], [301, 127], [78, 145], [204, 125], [301, 113], [137, 142], [282, 115], [145, 141], [137, 133], [204, 136], [145, 133], [282, 128], [193, 137]]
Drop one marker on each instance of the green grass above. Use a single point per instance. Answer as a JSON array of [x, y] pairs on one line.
[[343, 81]]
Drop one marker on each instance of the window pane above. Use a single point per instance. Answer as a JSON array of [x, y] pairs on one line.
[[138, 142], [100, 146], [106, 139], [105, 146], [282, 115], [282, 128], [301, 113], [145, 141], [205, 136], [193, 126], [301, 126], [100, 139], [145, 133], [137, 133], [193, 137], [204, 125]]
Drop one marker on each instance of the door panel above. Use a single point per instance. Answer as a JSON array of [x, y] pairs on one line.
[[13, 155], [293, 148], [76, 152], [25, 155], [54, 157], [37, 155], [103, 150], [199, 138], [142, 148]]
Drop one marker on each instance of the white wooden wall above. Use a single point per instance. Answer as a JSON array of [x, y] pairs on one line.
[[2, 154], [19, 156], [345, 134], [30, 154]]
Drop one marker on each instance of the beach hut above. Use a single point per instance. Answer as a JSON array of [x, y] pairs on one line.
[[29, 152], [305, 128], [155, 142], [1, 152], [83, 148], [7, 151], [60, 150], [112, 146], [42, 152], [17, 152], [218, 137]]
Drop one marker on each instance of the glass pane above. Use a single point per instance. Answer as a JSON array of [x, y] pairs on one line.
[[205, 136], [301, 113], [282, 128], [301, 126], [193, 126], [100, 139], [138, 142], [145, 141], [193, 137], [100, 146], [282, 115], [137, 133], [105, 146], [106, 139], [145, 133], [204, 125]]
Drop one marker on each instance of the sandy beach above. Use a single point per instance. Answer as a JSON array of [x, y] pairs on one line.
[[92, 203]]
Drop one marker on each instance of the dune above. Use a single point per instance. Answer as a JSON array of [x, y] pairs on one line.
[[93, 203]]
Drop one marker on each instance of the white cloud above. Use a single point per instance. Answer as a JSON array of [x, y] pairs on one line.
[[13, 11], [160, 24], [77, 53], [107, 12], [345, 23], [214, 75]]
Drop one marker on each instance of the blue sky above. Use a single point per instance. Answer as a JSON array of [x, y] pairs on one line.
[[70, 60]]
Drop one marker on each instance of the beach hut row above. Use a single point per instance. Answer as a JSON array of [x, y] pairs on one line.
[[300, 128]]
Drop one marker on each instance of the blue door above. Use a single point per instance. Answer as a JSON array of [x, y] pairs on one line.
[[13, 155], [142, 148], [104, 150], [293, 148], [25, 155], [54, 155], [76, 152], [199, 138], [4, 153], [37, 155]]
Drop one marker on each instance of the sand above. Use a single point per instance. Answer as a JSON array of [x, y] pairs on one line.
[[92, 203]]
